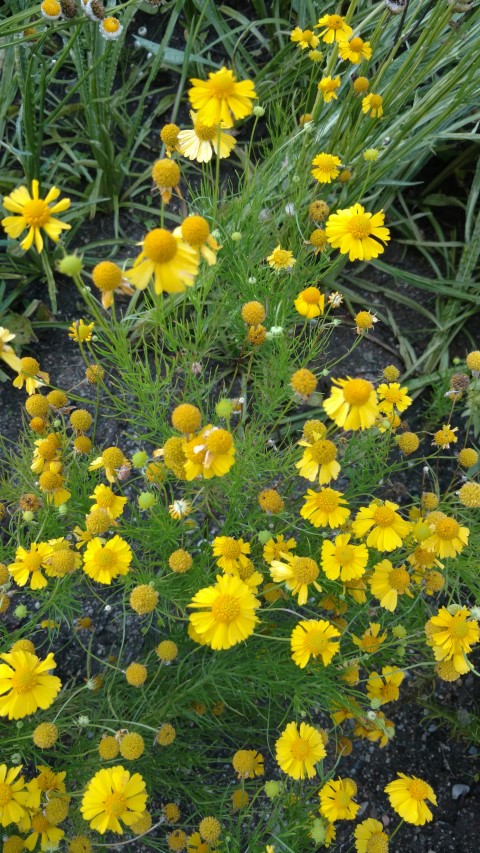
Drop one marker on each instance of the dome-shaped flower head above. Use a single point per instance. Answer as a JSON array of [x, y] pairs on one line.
[[166, 258], [357, 233], [210, 454], [352, 404], [221, 98]]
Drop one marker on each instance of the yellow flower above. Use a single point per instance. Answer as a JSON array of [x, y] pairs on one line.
[[281, 259], [326, 168], [179, 509], [26, 681], [373, 104], [392, 397], [297, 573], [304, 38], [104, 561], [81, 332], [113, 461], [445, 436], [166, 177], [310, 303], [448, 538], [318, 239], [29, 565], [195, 231], [248, 763], [369, 837], [408, 795], [343, 560], [314, 638], [109, 279], [298, 749], [452, 636], [387, 583], [328, 87], [230, 553], [113, 795], [336, 800], [50, 834], [371, 639], [205, 140], [15, 798], [221, 98], [353, 404], [334, 27], [51, 482], [106, 499], [171, 262], [324, 508], [30, 375], [210, 454], [196, 845], [226, 612], [7, 353], [34, 213], [387, 528], [356, 233], [319, 460], [355, 50], [169, 136], [384, 687], [274, 548], [110, 29]]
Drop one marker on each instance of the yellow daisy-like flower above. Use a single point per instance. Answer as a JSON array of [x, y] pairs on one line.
[[355, 50], [30, 375], [226, 612], [353, 404], [7, 353], [205, 140], [109, 279], [106, 499], [113, 461], [328, 87], [325, 508], [297, 573], [274, 548], [248, 763], [195, 231], [336, 800], [370, 837], [408, 796], [357, 233], [333, 28], [387, 583], [319, 460], [452, 636], [105, 561], [281, 259], [393, 397], [341, 560], [373, 104], [211, 453], [114, 795], [81, 332], [166, 258], [222, 99], [371, 639], [15, 798], [314, 638], [448, 538], [310, 303], [298, 749], [50, 835], [386, 529], [26, 684], [28, 565], [385, 687], [326, 168], [304, 38], [230, 553], [34, 213]]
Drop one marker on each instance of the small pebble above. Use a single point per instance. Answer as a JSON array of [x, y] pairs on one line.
[[459, 790]]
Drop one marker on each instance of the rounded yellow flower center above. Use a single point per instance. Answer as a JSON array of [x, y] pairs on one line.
[[62, 561], [334, 22], [357, 392], [329, 85], [356, 44], [418, 789], [219, 441], [345, 554], [105, 559], [222, 84], [316, 642], [226, 608], [377, 843], [24, 680], [392, 395], [113, 457], [160, 246], [115, 804], [300, 749], [327, 501], [342, 799], [107, 276], [311, 296], [459, 629], [323, 452], [166, 173], [447, 528], [110, 25], [399, 579], [32, 561], [47, 780], [231, 549], [36, 213], [384, 516], [40, 823], [195, 230], [205, 132], [169, 134], [304, 569], [5, 794], [281, 257], [376, 101], [359, 225], [30, 366], [389, 692]]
